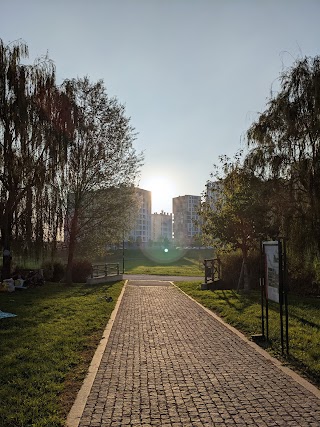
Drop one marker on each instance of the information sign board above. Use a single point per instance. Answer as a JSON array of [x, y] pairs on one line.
[[272, 270]]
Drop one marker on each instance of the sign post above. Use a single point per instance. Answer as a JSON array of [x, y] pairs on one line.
[[274, 284]]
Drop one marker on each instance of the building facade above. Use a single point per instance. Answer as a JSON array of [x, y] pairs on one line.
[[214, 192], [141, 233], [185, 213], [161, 227]]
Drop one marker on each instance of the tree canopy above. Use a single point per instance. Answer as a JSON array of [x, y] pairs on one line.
[[34, 129], [101, 168], [285, 143], [59, 143], [234, 211]]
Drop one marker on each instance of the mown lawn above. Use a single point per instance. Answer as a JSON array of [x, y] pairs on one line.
[[45, 351], [174, 262], [243, 311]]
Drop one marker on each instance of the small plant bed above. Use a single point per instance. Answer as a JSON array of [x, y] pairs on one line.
[[243, 311], [47, 348]]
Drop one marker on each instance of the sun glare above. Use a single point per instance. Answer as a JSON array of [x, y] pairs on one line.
[[162, 191]]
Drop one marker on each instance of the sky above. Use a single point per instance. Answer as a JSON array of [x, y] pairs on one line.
[[193, 74]]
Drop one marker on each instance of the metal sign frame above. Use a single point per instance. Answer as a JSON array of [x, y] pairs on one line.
[[273, 282]]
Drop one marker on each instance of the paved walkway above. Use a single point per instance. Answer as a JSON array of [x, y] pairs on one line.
[[169, 362]]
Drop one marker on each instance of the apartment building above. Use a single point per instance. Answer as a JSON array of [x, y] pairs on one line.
[[161, 227], [213, 192], [141, 233], [185, 213]]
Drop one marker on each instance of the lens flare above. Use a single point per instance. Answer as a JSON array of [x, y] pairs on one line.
[[163, 255]]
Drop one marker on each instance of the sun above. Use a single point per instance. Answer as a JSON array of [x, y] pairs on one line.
[[162, 191]]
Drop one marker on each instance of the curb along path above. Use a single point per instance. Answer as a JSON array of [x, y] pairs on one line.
[[168, 362]]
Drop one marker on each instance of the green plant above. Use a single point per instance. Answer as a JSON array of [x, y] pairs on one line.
[[231, 268], [59, 271], [81, 269], [53, 271]]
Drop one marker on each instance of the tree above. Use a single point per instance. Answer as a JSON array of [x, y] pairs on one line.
[[107, 215], [33, 137], [285, 143], [234, 214], [101, 161]]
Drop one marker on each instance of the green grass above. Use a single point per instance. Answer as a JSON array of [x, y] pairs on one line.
[[243, 311], [45, 350], [175, 262]]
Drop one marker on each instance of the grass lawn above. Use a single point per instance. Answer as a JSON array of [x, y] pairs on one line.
[[175, 262], [243, 311], [45, 351]]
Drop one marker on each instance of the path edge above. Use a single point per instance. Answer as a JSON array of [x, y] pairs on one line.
[[76, 411], [295, 376]]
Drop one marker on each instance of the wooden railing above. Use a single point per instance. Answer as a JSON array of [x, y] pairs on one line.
[[107, 270]]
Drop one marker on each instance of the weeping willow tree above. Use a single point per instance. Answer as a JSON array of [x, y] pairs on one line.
[[285, 143], [101, 169], [35, 121]]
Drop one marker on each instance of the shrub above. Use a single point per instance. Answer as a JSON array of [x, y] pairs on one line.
[[81, 269], [231, 267], [59, 271], [53, 271]]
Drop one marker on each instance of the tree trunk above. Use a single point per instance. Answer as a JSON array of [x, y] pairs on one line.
[[6, 262], [6, 232], [246, 283], [71, 247]]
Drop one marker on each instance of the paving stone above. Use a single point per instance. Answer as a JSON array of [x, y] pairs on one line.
[[169, 363]]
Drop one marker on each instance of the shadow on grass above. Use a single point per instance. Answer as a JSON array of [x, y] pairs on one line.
[[236, 300], [305, 321], [303, 370], [23, 300]]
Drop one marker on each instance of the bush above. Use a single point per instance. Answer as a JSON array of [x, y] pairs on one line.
[[59, 271], [81, 270], [53, 271], [231, 267]]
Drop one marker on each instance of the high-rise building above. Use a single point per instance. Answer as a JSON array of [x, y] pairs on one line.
[[161, 227], [185, 213], [141, 233], [213, 192]]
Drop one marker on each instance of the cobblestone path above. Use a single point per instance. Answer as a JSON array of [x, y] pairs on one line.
[[170, 363]]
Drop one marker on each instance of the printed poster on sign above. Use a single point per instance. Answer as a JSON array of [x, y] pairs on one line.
[[271, 250]]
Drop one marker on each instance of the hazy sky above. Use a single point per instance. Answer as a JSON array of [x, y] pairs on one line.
[[193, 74]]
